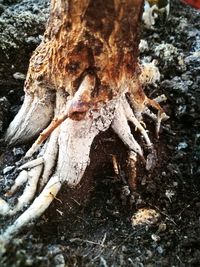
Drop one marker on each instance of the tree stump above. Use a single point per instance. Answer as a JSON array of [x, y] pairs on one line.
[[83, 78]]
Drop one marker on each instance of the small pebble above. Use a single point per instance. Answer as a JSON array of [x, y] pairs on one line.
[[160, 250], [18, 151], [19, 76], [182, 145], [29, 262], [143, 46], [162, 227], [59, 260], [169, 194], [145, 216], [149, 253], [155, 238]]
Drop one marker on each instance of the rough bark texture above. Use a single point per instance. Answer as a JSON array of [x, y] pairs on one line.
[[97, 37]]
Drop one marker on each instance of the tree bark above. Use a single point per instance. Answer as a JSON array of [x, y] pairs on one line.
[[85, 74], [98, 37]]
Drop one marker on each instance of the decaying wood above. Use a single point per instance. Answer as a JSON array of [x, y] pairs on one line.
[[86, 77], [98, 37]]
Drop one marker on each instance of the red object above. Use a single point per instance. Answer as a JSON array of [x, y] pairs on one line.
[[193, 3]]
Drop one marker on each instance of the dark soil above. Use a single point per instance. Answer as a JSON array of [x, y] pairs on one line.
[[91, 226]]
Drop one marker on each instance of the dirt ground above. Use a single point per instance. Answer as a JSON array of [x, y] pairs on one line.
[[94, 225]]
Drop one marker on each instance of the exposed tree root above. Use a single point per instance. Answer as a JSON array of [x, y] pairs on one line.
[[78, 106], [91, 67], [65, 156], [33, 116]]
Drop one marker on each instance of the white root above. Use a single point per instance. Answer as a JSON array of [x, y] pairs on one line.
[[19, 181], [50, 149], [66, 154], [150, 114], [160, 117], [35, 147], [40, 204], [31, 164], [19, 118], [71, 107], [50, 157], [122, 129], [74, 147], [26, 197], [33, 116], [73, 140], [29, 191], [5, 207], [131, 117]]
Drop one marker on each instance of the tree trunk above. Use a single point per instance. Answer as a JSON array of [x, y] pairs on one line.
[[96, 37], [85, 74], [82, 37]]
